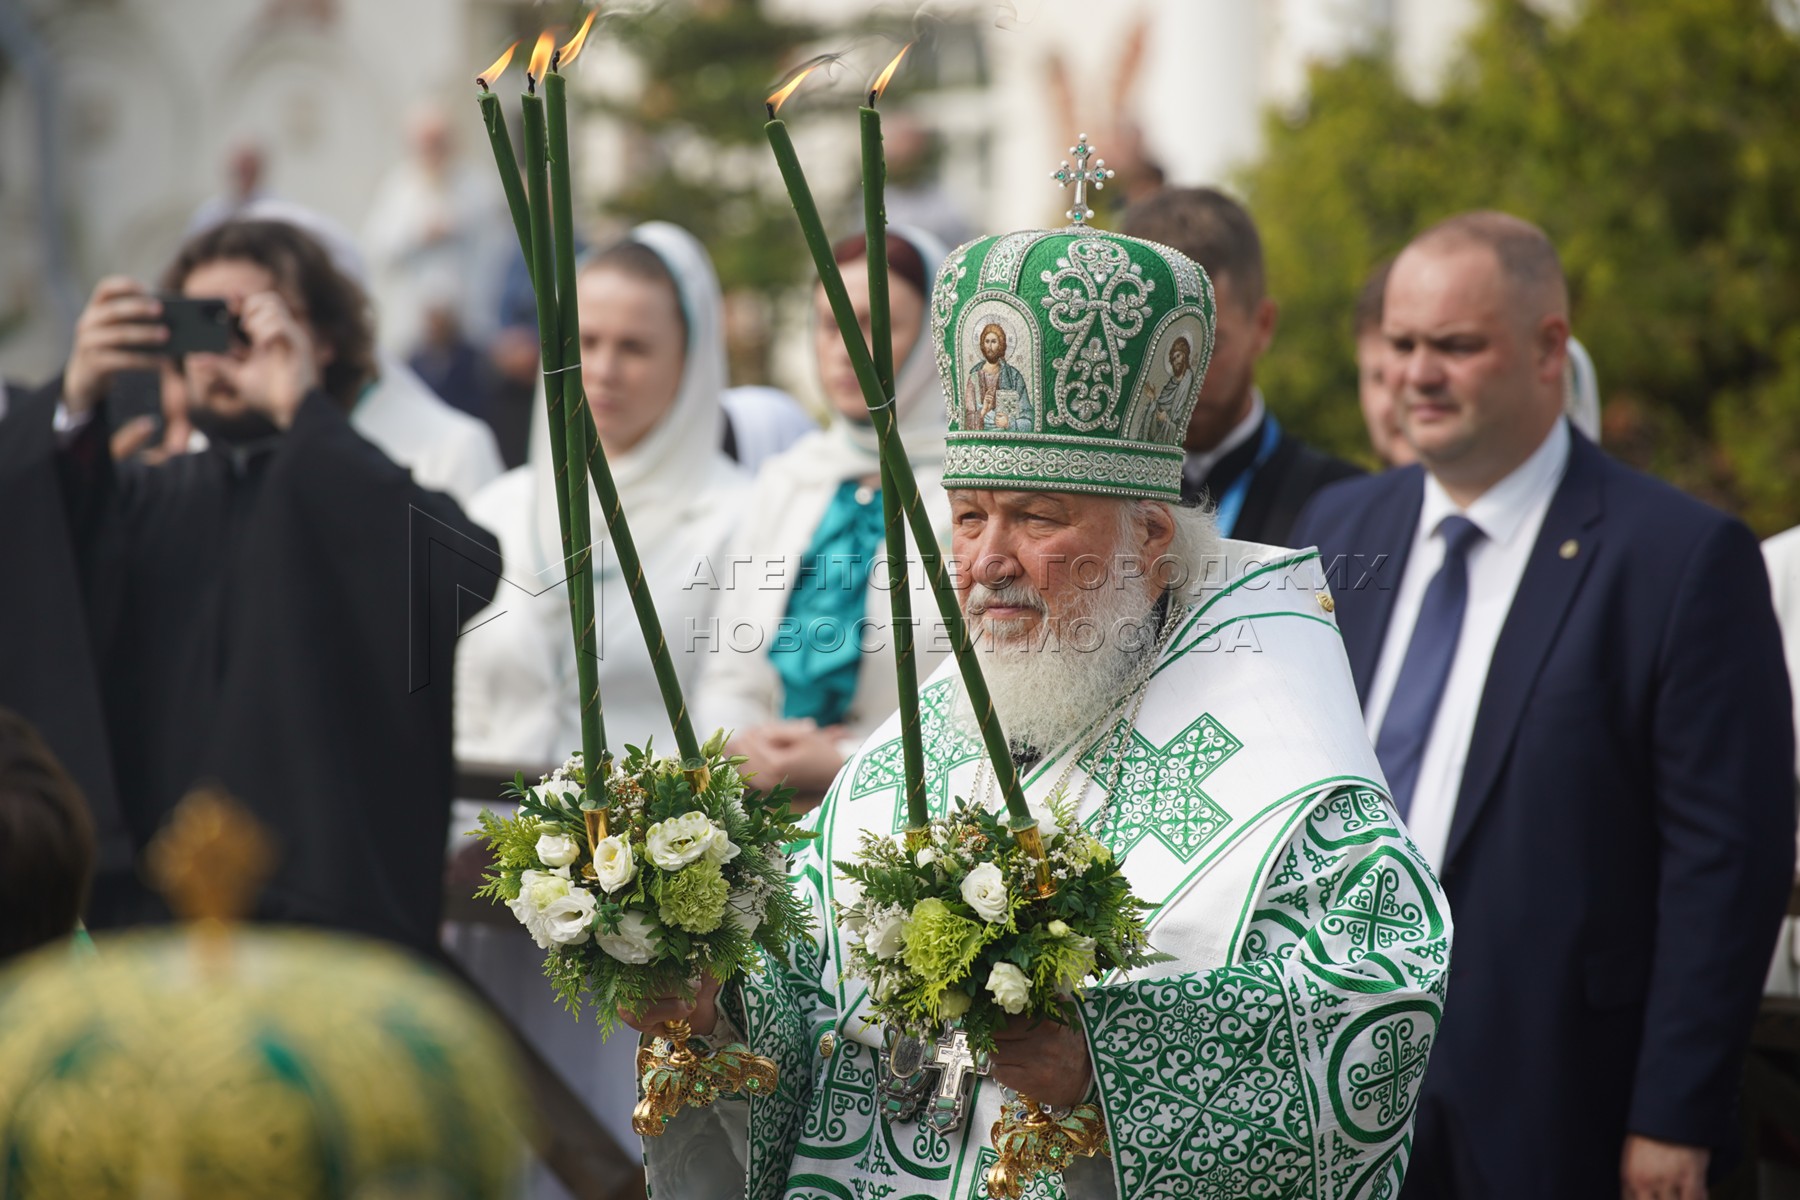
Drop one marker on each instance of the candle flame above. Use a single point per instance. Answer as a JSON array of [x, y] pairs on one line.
[[494, 72], [887, 76], [540, 55], [778, 98], [573, 46]]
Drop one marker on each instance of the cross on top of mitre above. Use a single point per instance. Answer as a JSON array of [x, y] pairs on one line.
[[1081, 174]]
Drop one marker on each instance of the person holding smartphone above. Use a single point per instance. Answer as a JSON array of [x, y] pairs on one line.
[[260, 614]]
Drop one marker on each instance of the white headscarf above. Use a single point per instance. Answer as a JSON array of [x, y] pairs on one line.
[[516, 669], [1581, 391], [656, 477], [847, 449]]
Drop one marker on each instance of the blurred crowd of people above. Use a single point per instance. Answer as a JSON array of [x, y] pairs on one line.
[[264, 567]]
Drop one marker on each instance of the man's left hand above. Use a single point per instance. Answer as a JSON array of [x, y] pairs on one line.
[[1045, 1060], [280, 369], [1653, 1170]]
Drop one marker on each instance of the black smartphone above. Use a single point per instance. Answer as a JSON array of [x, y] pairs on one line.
[[199, 325]]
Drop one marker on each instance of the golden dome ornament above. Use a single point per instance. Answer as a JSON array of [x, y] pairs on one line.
[[218, 1060]]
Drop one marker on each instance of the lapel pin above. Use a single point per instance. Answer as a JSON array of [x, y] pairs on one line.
[[1326, 602], [1569, 549]]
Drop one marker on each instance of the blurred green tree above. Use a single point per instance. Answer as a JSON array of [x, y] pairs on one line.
[[703, 160], [1655, 142], [700, 155], [706, 68]]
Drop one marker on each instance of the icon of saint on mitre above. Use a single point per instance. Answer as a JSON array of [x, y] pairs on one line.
[[996, 396], [1162, 402]]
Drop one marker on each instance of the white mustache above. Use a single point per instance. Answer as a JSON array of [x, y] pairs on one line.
[[1017, 594]]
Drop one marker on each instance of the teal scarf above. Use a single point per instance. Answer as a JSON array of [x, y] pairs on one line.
[[817, 649]]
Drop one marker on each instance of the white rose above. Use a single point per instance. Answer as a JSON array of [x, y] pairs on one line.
[[984, 890], [719, 848], [855, 920], [614, 865], [953, 1004], [566, 920], [675, 843], [565, 792], [557, 850], [744, 910], [636, 940], [1057, 929], [538, 890], [884, 935], [926, 856], [1010, 987]]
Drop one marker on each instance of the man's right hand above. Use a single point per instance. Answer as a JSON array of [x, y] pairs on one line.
[[118, 331], [702, 1014]]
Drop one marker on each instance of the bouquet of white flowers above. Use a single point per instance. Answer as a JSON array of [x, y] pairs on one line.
[[954, 924], [680, 874]]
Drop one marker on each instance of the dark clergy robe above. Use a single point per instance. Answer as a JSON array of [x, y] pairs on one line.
[[277, 619], [1279, 487]]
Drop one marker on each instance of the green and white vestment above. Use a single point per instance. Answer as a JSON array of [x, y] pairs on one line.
[[1279, 1055]]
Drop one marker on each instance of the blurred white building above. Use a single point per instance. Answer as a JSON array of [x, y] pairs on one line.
[[132, 106]]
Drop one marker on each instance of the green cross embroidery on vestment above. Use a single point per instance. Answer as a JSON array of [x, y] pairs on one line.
[[948, 744], [1158, 790], [1377, 911], [1377, 1067], [1386, 1083]]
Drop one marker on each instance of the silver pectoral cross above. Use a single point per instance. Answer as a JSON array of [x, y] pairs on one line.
[[1081, 175], [957, 1066]]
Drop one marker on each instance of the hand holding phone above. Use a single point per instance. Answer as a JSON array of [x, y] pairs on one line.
[[279, 368], [121, 329]]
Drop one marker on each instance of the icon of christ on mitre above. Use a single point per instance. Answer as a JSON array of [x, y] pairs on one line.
[[1188, 698]]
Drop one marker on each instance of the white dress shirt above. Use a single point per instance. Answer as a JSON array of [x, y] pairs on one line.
[[1509, 514]]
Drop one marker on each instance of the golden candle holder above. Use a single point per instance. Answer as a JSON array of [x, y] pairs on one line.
[[1030, 1140], [673, 1075], [1031, 841]]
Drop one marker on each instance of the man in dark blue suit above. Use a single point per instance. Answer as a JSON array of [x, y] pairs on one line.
[[1574, 680]]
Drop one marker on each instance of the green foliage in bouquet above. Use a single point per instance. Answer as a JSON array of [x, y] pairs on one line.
[[688, 877], [951, 926]]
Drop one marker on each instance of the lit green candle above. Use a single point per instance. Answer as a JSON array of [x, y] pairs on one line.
[[900, 470], [587, 457], [501, 142], [881, 347], [543, 274], [576, 420]]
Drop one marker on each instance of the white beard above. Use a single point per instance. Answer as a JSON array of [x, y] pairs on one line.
[[1050, 686]]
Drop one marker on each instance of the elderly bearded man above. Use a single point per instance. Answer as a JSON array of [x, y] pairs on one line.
[[1197, 709]]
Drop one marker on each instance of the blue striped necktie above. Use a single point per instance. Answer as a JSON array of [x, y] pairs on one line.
[[1426, 667]]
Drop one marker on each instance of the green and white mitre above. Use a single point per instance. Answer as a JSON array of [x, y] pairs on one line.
[[1070, 359], [1281, 1051]]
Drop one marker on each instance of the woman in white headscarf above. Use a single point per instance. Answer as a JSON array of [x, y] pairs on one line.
[[653, 364], [805, 667]]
